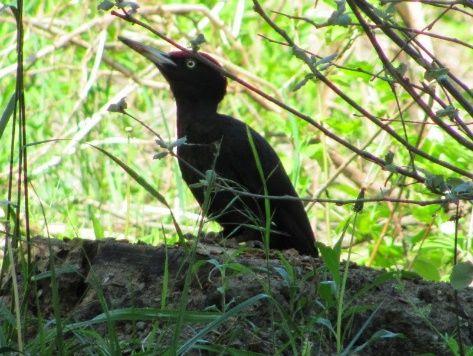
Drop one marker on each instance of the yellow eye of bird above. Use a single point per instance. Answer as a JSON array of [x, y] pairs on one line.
[[190, 63]]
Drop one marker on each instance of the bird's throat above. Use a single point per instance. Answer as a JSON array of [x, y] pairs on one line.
[[194, 113]]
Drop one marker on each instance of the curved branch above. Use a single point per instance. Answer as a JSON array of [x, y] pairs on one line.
[[303, 56], [366, 155], [388, 31]]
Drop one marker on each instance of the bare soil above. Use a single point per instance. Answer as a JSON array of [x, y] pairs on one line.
[[132, 275]]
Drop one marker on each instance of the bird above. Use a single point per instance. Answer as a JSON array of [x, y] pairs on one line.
[[245, 167]]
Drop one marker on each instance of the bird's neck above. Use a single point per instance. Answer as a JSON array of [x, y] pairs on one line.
[[194, 113]]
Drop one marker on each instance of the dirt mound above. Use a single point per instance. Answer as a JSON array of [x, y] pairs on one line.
[[252, 303]]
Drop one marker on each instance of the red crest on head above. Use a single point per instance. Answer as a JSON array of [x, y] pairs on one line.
[[182, 54]]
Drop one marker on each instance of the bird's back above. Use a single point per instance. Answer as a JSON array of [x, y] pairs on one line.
[[225, 147]]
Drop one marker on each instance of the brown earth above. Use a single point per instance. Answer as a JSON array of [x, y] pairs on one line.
[[129, 275]]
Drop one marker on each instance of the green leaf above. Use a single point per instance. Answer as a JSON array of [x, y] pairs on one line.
[[96, 224], [331, 257], [378, 335], [139, 179], [200, 184], [435, 73], [358, 207], [342, 20], [453, 345], [426, 269], [142, 181], [327, 290], [7, 113], [435, 183], [385, 14], [327, 323], [133, 6], [210, 176], [348, 350], [401, 69], [449, 111], [463, 191], [106, 5], [160, 155], [118, 107], [6, 315], [198, 41], [58, 271], [389, 157], [325, 62], [302, 82], [462, 275], [235, 311], [452, 182], [124, 314], [339, 17], [327, 59]]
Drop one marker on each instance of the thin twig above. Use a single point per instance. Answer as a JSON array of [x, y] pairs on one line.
[[368, 156], [405, 83], [303, 56], [367, 10]]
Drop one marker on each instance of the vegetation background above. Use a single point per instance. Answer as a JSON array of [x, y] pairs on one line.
[[74, 69]]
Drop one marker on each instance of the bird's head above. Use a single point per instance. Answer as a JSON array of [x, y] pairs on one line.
[[190, 78]]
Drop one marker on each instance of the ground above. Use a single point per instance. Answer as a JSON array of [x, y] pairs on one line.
[[280, 303]]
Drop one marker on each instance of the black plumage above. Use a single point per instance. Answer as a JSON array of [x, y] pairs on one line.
[[220, 143]]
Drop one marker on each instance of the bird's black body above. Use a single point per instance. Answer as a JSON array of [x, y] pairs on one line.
[[220, 143]]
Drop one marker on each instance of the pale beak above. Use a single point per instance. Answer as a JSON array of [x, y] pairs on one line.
[[154, 55]]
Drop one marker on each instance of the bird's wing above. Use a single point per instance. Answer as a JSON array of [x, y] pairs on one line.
[[236, 147], [290, 215]]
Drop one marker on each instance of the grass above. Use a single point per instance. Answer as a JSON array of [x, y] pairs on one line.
[[93, 171], [87, 194]]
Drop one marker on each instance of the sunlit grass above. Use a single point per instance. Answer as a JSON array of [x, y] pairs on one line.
[[88, 196], [90, 168]]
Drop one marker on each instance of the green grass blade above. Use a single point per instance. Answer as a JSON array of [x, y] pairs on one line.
[[141, 181], [214, 324], [6, 114]]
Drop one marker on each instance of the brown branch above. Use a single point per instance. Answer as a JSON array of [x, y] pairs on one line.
[[424, 88], [367, 10], [466, 3], [430, 34], [299, 53], [222, 185], [404, 81], [368, 156], [397, 27]]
